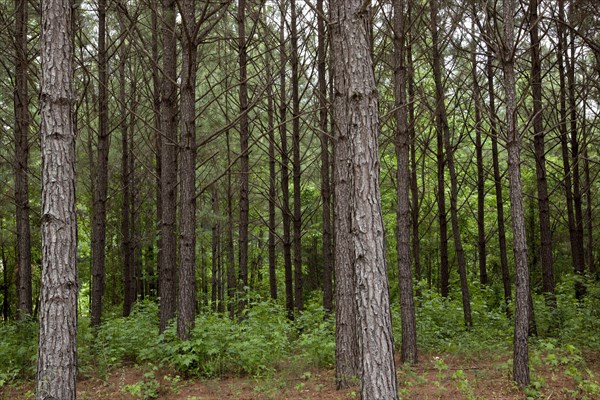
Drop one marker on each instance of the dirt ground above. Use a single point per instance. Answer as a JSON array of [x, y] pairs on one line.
[[436, 377]]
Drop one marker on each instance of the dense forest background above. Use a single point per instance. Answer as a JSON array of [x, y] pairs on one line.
[[206, 178]]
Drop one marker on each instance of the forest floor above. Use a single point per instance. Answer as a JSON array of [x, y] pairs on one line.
[[475, 376]]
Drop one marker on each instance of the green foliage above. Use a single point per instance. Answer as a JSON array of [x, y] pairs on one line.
[[145, 389], [18, 347], [218, 345], [316, 341]]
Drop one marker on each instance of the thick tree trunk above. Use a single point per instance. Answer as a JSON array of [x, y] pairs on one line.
[[57, 360], [100, 175], [407, 305], [513, 145], [286, 214], [540, 157], [506, 284], [357, 127], [168, 109], [21, 160], [244, 156], [325, 170], [187, 175]]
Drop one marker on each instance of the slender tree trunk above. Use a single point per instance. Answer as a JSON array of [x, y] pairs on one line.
[[187, 175], [513, 145], [540, 157], [244, 137], [272, 185], [286, 214], [57, 354], [231, 284], [216, 234], [577, 196], [21, 160], [563, 135], [414, 188], [442, 126], [481, 242], [168, 109], [407, 305], [157, 128], [100, 175], [126, 221], [6, 279], [296, 166], [506, 284], [357, 124], [325, 170]]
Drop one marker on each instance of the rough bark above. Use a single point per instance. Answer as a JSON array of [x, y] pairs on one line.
[[403, 226], [21, 131], [540, 157], [357, 123], [187, 175], [168, 109], [513, 145], [57, 361]]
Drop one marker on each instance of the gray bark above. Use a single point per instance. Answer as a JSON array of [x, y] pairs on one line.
[[357, 124], [57, 361], [513, 145]]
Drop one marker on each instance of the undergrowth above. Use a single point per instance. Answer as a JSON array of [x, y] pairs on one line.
[[263, 339]]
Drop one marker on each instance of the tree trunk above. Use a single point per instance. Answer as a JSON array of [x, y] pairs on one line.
[[5, 280], [244, 156], [187, 175], [21, 160], [168, 108], [563, 135], [540, 157], [57, 361], [231, 284], [325, 170], [296, 166], [100, 175], [126, 220], [407, 305], [216, 236], [513, 145], [481, 242], [286, 214], [272, 185], [577, 196], [498, 178], [357, 124]]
